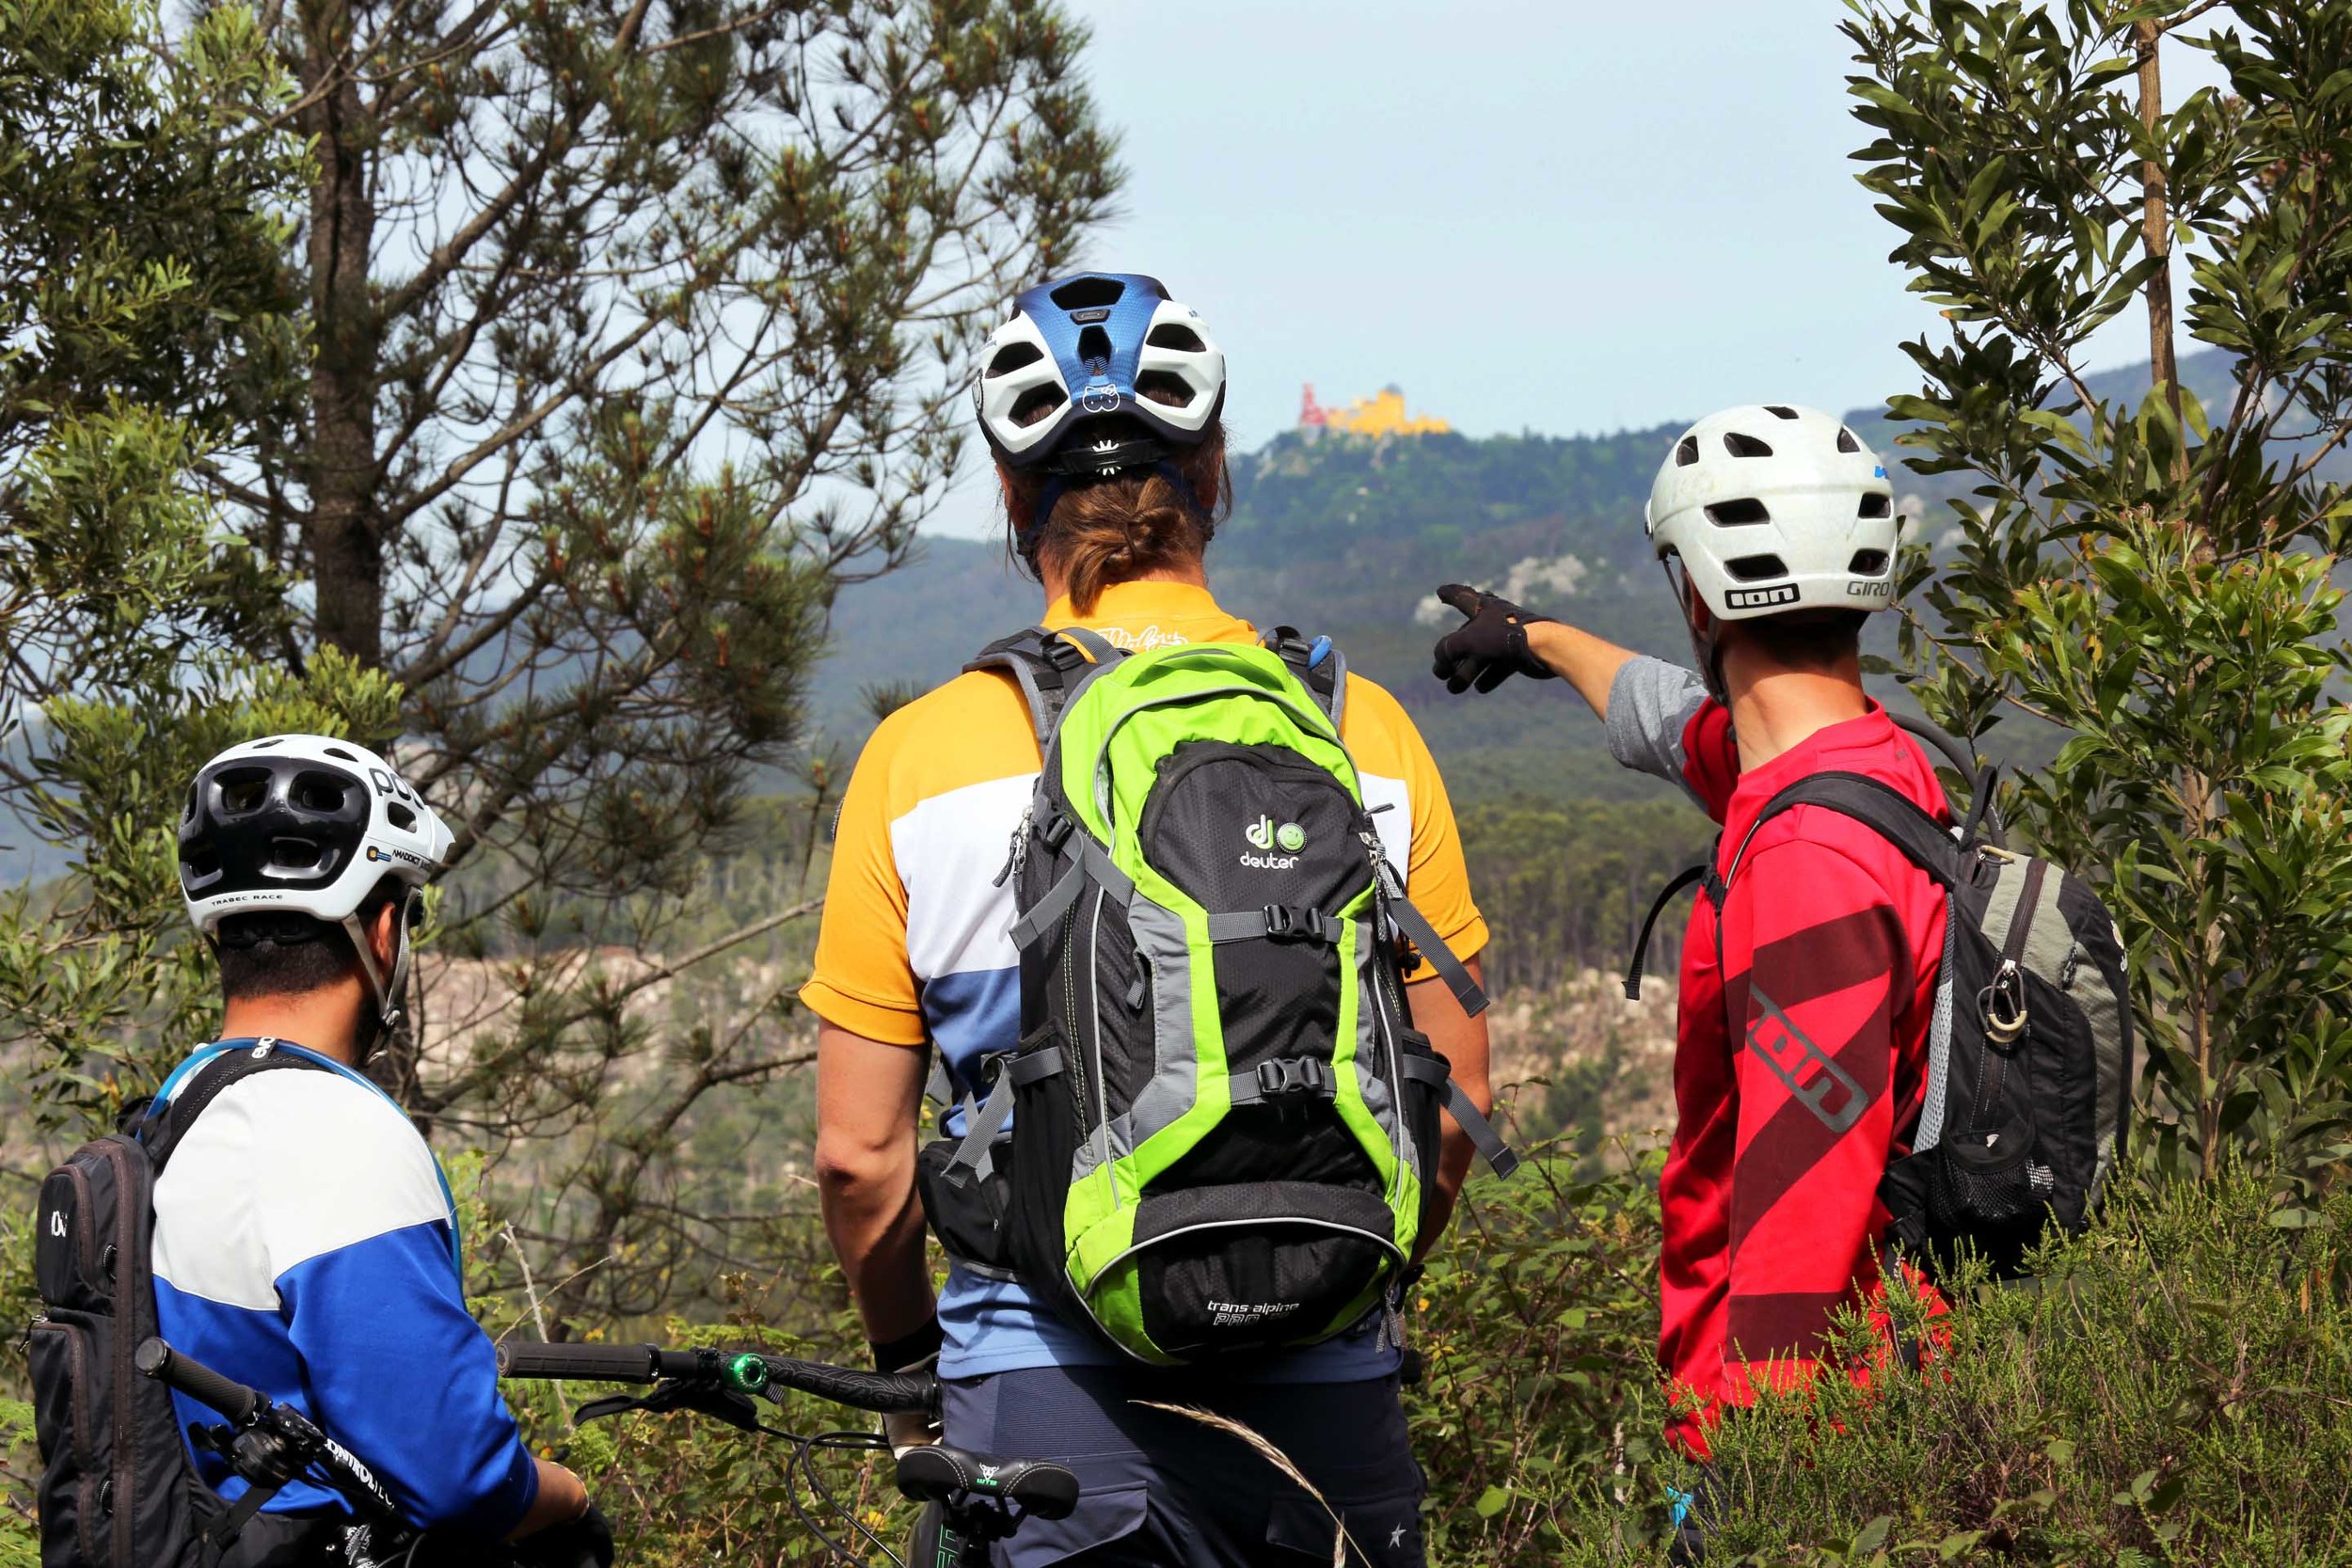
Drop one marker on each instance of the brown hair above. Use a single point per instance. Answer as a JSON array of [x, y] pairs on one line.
[[1106, 531]]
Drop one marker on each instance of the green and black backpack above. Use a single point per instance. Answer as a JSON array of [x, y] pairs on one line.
[[1223, 1128]]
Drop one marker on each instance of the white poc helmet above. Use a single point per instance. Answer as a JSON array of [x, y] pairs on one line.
[[308, 825], [1773, 508]]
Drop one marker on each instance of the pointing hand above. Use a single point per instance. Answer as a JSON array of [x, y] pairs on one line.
[[1489, 648]]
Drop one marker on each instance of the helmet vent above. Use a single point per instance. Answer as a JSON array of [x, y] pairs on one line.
[[1177, 336], [1846, 441], [1738, 513], [243, 792], [297, 855], [1079, 292], [199, 863], [319, 792], [1756, 568], [1036, 404], [1866, 563], [1013, 355], [399, 817], [1874, 505], [1094, 344], [1164, 387], [1686, 451], [339, 751], [1780, 411], [1744, 445]]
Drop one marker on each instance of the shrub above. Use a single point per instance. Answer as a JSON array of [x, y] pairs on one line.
[[2175, 1387]]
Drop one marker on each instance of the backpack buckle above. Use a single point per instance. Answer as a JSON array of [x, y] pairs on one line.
[[1289, 1075], [1055, 833], [1288, 923], [1062, 653]]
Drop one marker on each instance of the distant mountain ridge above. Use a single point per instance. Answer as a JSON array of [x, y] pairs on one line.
[[1347, 536]]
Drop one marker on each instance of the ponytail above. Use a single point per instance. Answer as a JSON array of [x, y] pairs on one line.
[[1101, 532]]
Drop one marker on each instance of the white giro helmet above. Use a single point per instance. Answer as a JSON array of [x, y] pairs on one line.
[[307, 825], [1773, 508]]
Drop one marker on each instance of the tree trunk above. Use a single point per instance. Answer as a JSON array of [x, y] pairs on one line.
[[344, 532], [2155, 232]]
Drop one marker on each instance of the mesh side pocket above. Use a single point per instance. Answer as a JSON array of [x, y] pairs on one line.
[[1974, 1186], [1988, 1193]]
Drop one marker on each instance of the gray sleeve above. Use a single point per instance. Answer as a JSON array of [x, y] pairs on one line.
[[1650, 702]]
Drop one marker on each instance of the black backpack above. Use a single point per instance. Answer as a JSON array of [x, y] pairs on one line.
[[2029, 1048], [119, 1488]]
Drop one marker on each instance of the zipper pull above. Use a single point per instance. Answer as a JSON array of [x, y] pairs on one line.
[[1016, 852]]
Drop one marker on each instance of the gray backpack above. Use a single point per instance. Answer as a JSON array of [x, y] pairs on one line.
[[2029, 1050]]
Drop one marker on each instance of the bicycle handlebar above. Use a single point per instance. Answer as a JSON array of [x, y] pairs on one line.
[[294, 1444], [594, 1363], [883, 1393], [155, 1359]]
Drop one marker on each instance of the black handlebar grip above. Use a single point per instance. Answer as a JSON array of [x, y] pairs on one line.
[[155, 1359], [580, 1363], [884, 1393]]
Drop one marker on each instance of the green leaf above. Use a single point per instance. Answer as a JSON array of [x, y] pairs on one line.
[[1493, 1501]]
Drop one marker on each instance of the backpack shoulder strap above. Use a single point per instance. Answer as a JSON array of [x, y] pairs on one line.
[[167, 1124], [1320, 666], [1884, 810], [1047, 666]]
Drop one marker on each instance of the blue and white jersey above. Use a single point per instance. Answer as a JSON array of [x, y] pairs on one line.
[[306, 1244]]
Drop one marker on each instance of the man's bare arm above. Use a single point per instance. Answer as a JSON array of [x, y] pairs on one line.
[[868, 1097], [1587, 662]]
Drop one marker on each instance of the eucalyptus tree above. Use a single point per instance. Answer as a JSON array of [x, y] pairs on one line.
[[2157, 580]]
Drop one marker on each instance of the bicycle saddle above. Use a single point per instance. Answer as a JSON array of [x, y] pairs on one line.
[[937, 1473]]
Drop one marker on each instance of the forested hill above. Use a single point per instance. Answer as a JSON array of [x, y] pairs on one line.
[[1347, 536]]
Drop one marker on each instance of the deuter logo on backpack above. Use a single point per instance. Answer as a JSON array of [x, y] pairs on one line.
[[1290, 838]]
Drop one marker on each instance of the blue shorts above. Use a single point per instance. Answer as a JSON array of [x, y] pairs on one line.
[[1170, 1491]]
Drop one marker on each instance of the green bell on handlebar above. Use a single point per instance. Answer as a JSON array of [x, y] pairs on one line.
[[746, 1373]]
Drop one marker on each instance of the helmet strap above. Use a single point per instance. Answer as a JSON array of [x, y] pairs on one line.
[[385, 989], [1706, 646]]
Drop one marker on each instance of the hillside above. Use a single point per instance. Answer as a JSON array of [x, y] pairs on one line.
[[1347, 536]]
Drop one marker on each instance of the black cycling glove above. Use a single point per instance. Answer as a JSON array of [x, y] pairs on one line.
[[582, 1543], [1489, 648]]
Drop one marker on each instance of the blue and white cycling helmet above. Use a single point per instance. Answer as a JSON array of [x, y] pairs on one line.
[[1098, 372]]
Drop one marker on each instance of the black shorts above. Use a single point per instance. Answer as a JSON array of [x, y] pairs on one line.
[[1168, 1490]]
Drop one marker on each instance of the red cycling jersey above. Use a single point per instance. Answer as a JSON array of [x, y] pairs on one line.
[[1801, 1055]]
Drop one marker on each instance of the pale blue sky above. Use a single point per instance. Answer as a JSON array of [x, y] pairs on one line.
[[1565, 217]]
